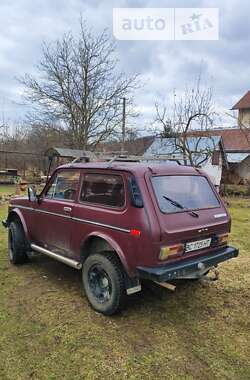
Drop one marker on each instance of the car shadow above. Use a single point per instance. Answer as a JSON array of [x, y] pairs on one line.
[[55, 271], [152, 298]]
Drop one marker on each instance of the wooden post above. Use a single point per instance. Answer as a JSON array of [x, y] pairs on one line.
[[123, 123]]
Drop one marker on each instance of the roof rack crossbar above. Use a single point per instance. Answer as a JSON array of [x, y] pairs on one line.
[[110, 159], [80, 159]]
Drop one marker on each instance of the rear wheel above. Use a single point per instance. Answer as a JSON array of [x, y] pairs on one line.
[[103, 282], [17, 244]]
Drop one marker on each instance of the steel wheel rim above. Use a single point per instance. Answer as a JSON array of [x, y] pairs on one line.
[[99, 283]]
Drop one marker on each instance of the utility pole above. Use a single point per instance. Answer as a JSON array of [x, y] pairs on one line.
[[123, 123]]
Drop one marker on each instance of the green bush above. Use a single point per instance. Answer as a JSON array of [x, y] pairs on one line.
[[236, 190]]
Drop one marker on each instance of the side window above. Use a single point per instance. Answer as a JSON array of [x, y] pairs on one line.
[[135, 193], [64, 185], [104, 189]]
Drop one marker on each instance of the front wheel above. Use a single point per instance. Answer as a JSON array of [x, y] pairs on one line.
[[103, 282], [17, 244]]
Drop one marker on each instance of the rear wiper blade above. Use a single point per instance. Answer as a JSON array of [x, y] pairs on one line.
[[178, 205], [175, 203]]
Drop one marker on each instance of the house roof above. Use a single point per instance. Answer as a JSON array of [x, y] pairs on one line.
[[136, 147], [64, 152], [234, 139], [234, 158], [168, 145], [199, 145], [243, 103]]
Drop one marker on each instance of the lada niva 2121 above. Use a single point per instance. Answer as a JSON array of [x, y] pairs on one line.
[[120, 223]]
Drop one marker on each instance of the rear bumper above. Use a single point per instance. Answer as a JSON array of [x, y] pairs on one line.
[[188, 268]]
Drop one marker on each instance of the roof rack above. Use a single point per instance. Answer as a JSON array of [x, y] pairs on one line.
[[112, 157], [80, 159]]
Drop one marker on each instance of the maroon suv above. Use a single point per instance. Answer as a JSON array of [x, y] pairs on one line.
[[121, 223]]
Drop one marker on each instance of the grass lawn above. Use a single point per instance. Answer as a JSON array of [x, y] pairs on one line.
[[7, 189], [200, 331]]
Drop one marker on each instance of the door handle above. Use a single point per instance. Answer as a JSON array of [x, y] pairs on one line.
[[67, 209]]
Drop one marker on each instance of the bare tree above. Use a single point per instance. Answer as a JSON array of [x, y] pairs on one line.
[[79, 87], [3, 131], [192, 111], [4, 128]]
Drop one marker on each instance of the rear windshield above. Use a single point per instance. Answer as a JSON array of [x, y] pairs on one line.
[[181, 193]]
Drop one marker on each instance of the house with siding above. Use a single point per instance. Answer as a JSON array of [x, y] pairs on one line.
[[236, 142], [243, 108]]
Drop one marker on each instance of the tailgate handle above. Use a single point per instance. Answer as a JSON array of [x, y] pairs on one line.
[[67, 209]]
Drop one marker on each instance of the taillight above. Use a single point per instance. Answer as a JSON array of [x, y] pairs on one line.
[[171, 250], [223, 239]]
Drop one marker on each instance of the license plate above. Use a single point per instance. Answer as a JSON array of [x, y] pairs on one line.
[[200, 244]]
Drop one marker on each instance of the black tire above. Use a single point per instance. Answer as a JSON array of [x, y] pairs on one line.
[[103, 282], [17, 244]]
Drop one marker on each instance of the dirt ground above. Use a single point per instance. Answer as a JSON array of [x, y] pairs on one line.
[[200, 331]]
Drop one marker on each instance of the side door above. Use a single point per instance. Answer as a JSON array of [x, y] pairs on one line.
[[53, 229], [102, 207]]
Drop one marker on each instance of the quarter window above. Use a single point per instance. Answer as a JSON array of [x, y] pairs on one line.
[[103, 189], [64, 186]]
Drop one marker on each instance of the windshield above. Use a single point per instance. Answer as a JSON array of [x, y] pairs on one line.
[[182, 193]]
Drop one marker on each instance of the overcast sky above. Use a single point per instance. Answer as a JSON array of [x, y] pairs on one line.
[[164, 65]]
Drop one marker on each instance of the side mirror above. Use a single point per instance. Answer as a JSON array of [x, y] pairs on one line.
[[32, 194]]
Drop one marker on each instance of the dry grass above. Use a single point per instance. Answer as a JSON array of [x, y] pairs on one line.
[[200, 331]]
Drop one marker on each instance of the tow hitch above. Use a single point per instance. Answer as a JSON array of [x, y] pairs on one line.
[[213, 275]]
